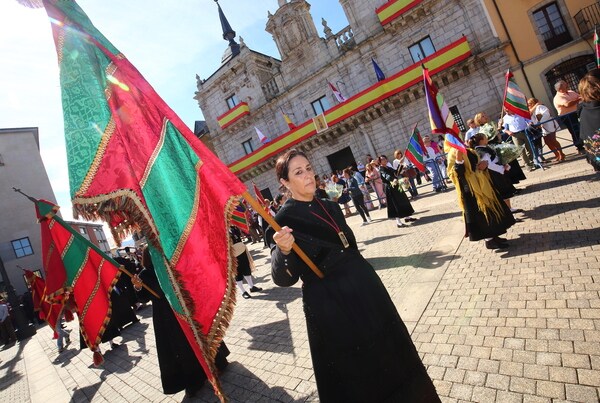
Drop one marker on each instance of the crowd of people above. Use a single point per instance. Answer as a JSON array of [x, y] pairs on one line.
[[359, 353]]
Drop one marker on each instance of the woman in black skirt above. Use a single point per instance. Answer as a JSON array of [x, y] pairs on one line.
[[398, 205], [498, 172], [360, 348]]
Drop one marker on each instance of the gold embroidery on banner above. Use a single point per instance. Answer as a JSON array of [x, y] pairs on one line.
[[91, 174], [66, 249], [81, 266], [191, 220], [217, 329], [94, 291], [157, 148]]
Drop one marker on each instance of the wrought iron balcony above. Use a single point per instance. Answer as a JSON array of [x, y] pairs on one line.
[[587, 18]]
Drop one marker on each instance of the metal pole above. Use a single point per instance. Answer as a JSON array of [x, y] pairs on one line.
[[24, 329]]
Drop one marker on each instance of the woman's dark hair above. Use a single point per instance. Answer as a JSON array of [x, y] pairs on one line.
[[282, 166], [474, 141], [589, 86], [382, 156]]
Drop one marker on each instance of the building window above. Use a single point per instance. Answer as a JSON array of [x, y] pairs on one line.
[[421, 49], [232, 101], [320, 105], [22, 247], [551, 26], [82, 231], [248, 149]]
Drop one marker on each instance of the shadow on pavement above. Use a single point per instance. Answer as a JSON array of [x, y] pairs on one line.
[[436, 217], [553, 240], [12, 376], [85, 394], [242, 386], [550, 210], [559, 182], [273, 337], [379, 239], [430, 260]]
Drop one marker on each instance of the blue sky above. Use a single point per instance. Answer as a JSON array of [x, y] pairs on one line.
[[169, 43]]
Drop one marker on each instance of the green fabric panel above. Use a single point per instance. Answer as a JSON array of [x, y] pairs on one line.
[[169, 189], [73, 258], [85, 109], [163, 279], [72, 10]]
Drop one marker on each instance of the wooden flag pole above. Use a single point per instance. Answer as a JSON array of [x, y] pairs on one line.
[[150, 290], [266, 216]]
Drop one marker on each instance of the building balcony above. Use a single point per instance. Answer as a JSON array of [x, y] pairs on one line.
[[233, 115], [353, 107], [587, 18]]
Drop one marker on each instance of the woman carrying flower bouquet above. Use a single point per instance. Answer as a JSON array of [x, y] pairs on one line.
[[485, 216], [498, 172], [488, 127], [398, 205], [589, 115]]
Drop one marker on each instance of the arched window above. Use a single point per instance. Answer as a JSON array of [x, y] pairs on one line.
[[571, 71]]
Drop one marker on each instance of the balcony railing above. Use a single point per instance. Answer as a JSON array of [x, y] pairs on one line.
[[345, 38], [587, 18]]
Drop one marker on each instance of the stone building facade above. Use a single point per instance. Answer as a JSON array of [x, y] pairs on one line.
[[21, 166], [454, 39]]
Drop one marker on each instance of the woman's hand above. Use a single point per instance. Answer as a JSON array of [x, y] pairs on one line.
[[137, 282], [284, 240], [482, 165]]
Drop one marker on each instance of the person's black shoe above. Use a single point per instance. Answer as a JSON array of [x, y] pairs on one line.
[[114, 346], [500, 239], [493, 244], [246, 295], [255, 289]]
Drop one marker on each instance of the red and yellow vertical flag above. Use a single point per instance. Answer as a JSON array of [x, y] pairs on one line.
[[288, 121]]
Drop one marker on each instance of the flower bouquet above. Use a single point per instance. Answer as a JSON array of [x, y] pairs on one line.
[[507, 152], [592, 146], [334, 191]]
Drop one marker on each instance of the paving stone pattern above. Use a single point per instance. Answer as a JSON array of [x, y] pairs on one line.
[[515, 326]]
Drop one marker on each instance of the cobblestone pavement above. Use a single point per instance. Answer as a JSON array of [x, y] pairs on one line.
[[515, 326]]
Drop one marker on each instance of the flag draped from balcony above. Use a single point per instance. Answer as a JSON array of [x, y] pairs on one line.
[[514, 99], [416, 149], [134, 163], [336, 93], [378, 71], [288, 121], [261, 137], [440, 118], [597, 47]]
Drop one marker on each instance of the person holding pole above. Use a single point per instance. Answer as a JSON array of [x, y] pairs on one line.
[[360, 348]]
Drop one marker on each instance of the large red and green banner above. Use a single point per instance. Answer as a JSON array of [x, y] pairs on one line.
[[135, 164], [514, 99]]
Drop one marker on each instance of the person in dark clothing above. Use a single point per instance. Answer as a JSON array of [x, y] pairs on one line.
[[179, 367], [244, 264], [360, 348], [589, 114], [320, 192], [357, 196], [485, 216], [398, 205]]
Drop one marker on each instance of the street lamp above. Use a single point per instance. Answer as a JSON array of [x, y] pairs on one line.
[[24, 328]]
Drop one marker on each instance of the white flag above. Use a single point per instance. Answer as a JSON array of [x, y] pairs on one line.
[[338, 95], [261, 137]]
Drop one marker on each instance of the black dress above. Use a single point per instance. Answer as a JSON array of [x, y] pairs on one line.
[[501, 182], [243, 263], [179, 367], [398, 204], [361, 350], [477, 226], [589, 115]]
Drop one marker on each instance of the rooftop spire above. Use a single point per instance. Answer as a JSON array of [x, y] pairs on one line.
[[228, 32]]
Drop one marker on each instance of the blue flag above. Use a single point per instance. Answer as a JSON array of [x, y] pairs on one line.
[[378, 72]]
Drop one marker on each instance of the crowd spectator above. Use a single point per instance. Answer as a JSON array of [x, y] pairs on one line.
[[540, 114], [515, 126], [565, 102], [589, 111], [398, 205], [374, 178], [357, 196]]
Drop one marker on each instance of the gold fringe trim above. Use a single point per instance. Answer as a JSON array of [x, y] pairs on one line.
[[127, 203]]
